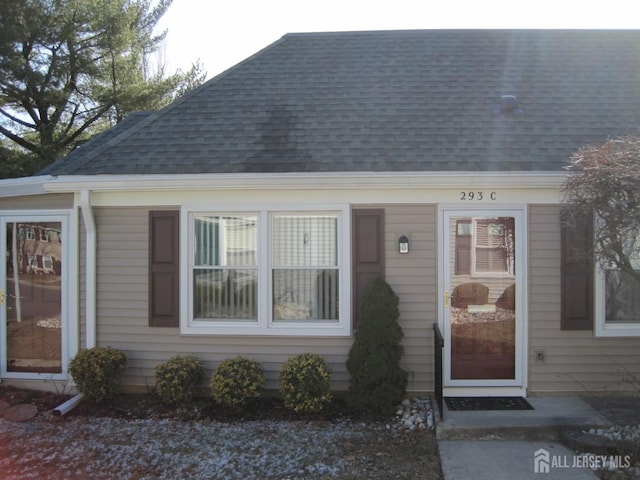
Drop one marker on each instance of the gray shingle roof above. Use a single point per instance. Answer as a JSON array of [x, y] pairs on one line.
[[389, 101]]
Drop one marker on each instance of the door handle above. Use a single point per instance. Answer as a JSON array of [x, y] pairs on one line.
[[1, 297], [446, 298]]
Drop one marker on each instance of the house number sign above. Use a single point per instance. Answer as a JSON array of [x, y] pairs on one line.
[[478, 196]]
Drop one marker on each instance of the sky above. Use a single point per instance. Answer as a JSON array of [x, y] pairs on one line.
[[222, 33]]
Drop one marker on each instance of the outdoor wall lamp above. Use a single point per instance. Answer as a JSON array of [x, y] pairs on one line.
[[403, 244]]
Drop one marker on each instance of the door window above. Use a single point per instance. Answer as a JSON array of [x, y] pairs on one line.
[[482, 289], [32, 280]]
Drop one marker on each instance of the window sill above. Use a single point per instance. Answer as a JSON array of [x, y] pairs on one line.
[[617, 330], [280, 329]]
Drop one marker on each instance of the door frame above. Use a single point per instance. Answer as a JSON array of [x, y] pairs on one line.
[[68, 289], [517, 386]]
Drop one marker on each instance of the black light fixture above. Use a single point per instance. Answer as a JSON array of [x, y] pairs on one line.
[[403, 244]]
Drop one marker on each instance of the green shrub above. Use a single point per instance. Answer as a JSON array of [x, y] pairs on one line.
[[97, 372], [304, 383], [178, 380], [377, 381], [237, 381]]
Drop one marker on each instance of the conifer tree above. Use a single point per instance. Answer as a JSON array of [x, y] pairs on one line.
[[71, 68], [377, 379]]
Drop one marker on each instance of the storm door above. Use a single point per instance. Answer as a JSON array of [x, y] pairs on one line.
[[31, 286], [482, 321]]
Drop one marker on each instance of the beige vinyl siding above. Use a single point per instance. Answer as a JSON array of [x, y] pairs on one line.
[[413, 277], [38, 202], [123, 308], [575, 361], [122, 304]]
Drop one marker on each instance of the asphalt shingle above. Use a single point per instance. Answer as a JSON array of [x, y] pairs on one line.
[[389, 101]]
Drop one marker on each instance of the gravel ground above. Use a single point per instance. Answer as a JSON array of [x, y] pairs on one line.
[[85, 446], [622, 465]]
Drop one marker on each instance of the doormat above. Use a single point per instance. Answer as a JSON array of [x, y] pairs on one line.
[[487, 403]]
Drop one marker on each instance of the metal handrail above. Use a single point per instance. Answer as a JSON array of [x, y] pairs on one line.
[[438, 347]]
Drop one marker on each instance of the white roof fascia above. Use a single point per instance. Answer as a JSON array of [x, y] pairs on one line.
[[18, 187], [316, 180]]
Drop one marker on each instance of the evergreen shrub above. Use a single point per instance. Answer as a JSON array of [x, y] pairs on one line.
[[178, 380], [97, 372], [237, 381], [377, 381], [305, 383]]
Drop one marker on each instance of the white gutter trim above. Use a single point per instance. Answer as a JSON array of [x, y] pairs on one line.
[[17, 187], [316, 180], [90, 229]]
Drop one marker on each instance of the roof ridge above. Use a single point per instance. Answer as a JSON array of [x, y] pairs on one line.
[[454, 30]]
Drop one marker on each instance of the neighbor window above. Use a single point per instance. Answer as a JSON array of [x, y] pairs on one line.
[[263, 272], [618, 297]]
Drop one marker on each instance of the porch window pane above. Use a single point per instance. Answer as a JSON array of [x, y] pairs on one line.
[[305, 267], [225, 275], [225, 240], [305, 241], [225, 294], [305, 294]]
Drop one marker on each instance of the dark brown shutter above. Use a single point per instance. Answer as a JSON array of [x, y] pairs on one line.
[[164, 268], [577, 270], [368, 253]]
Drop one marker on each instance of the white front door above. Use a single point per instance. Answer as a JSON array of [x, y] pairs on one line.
[[482, 306]]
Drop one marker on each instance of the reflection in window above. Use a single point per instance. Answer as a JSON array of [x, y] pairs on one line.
[[494, 247], [34, 297], [485, 246], [622, 288], [225, 274], [622, 298], [289, 260]]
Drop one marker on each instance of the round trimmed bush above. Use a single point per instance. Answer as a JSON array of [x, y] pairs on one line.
[[237, 381], [178, 380], [97, 372], [305, 383]]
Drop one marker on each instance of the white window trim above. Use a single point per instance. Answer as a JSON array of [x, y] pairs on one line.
[[602, 328], [264, 326], [69, 291]]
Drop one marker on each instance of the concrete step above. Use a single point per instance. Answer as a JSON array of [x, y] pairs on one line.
[[550, 417]]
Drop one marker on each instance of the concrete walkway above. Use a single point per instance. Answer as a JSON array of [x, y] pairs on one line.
[[508, 460], [521, 444]]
